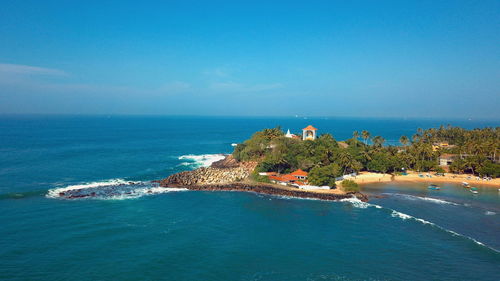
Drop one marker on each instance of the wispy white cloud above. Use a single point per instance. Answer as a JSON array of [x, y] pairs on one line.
[[20, 69], [238, 87], [39, 80]]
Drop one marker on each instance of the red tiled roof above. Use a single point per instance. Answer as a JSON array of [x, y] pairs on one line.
[[288, 177], [310, 128], [299, 173], [276, 178], [283, 178]]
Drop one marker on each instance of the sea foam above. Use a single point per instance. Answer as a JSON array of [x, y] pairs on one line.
[[396, 214], [358, 203], [428, 199], [203, 160], [113, 189], [408, 217]]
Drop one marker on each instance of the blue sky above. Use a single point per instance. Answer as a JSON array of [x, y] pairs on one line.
[[316, 58]]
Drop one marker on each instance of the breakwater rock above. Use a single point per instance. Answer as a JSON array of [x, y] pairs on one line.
[[274, 190], [231, 175], [227, 170]]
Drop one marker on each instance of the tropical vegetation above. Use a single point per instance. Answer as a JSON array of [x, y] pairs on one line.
[[475, 151]]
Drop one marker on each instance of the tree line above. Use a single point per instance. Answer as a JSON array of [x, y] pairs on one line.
[[476, 152]]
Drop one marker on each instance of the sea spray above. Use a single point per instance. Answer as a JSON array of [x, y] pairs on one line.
[[113, 189], [203, 160], [396, 214], [358, 203], [428, 199]]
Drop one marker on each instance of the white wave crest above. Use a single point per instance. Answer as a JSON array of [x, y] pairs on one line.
[[490, 213], [137, 193], [428, 199], [54, 193], [114, 189], [363, 205], [203, 160], [404, 216], [358, 203]]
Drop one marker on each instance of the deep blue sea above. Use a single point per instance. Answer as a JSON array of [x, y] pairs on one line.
[[411, 233]]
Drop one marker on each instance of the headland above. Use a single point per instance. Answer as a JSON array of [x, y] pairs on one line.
[[231, 175], [310, 165]]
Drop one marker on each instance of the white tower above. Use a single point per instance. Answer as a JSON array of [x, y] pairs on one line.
[[309, 133]]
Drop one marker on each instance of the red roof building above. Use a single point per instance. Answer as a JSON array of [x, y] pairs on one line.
[[299, 174], [310, 128], [283, 179]]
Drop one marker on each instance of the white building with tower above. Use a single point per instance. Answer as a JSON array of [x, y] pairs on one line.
[[309, 133]]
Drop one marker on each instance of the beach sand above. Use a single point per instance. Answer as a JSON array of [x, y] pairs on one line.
[[367, 177]]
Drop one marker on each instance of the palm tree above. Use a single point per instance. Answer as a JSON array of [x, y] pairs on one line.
[[366, 135], [470, 163], [355, 135], [378, 141], [365, 155], [415, 138], [273, 133], [404, 140], [347, 162]]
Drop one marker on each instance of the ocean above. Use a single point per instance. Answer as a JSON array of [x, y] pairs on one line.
[[143, 233]]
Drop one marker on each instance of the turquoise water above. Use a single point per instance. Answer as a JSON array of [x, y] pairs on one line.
[[411, 233]]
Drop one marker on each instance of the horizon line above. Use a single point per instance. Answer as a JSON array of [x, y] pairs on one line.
[[305, 117]]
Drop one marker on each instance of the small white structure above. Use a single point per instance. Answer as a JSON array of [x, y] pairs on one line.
[[309, 133], [288, 134], [446, 159], [314, 187]]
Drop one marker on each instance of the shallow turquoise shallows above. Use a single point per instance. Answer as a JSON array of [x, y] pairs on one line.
[[409, 233]]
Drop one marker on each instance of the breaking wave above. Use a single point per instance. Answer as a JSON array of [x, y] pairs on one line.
[[114, 189], [428, 199], [203, 160], [363, 205], [359, 204], [490, 213]]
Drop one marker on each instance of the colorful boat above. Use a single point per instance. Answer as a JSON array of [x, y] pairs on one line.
[[474, 191], [433, 187], [473, 188], [465, 184]]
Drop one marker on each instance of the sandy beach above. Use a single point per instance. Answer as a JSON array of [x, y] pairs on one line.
[[367, 177]]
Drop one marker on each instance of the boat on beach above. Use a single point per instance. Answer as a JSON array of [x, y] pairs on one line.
[[465, 184], [433, 187]]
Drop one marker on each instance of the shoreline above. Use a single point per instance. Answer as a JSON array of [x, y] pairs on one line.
[[368, 178], [230, 175], [271, 189]]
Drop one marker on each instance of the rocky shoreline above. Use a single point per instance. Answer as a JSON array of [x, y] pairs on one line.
[[270, 189], [230, 175]]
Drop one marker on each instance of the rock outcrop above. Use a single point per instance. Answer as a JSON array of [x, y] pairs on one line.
[[274, 190], [230, 175], [227, 170], [228, 162]]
